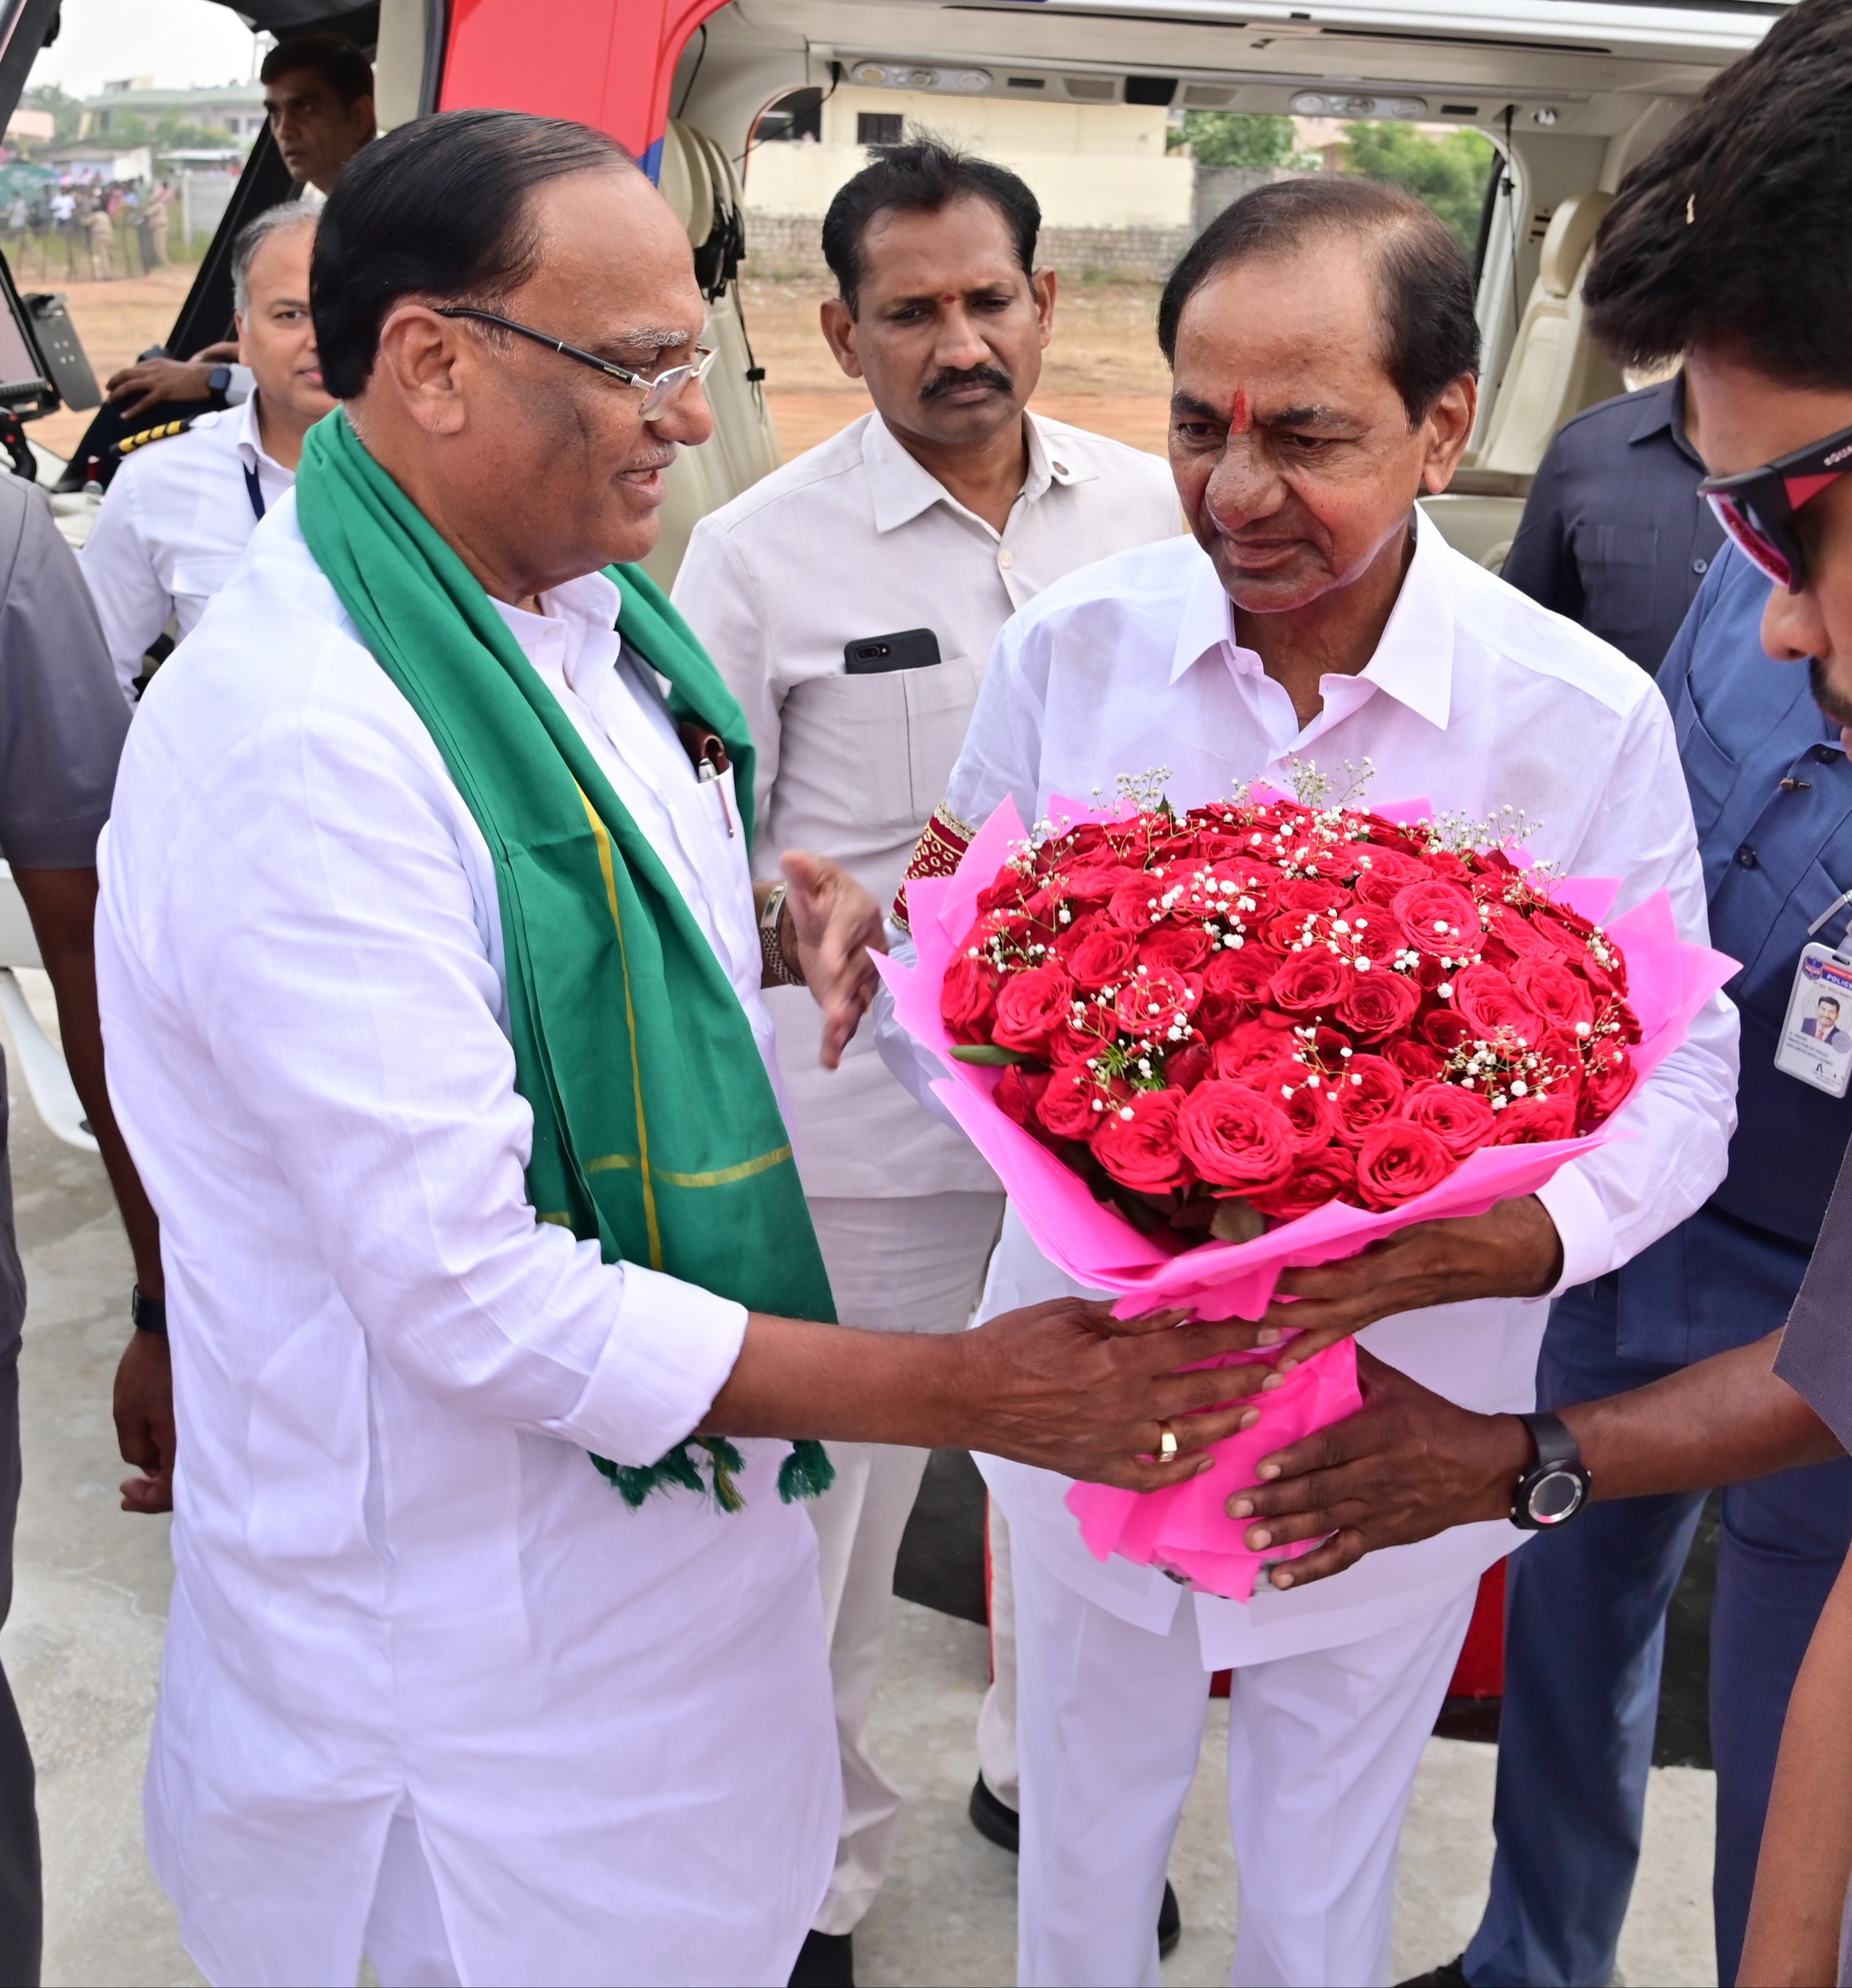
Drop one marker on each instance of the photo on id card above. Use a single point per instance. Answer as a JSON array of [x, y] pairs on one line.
[[1817, 1033]]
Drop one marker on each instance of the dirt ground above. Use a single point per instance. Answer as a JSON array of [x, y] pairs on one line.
[[1103, 370]]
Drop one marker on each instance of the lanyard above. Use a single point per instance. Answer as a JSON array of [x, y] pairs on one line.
[[255, 492]]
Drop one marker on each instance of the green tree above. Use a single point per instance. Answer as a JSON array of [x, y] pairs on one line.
[[65, 109], [1238, 138], [1448, 173]]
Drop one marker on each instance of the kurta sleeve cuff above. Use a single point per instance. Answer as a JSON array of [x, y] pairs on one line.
[[670, 1348], [1582, 1224]]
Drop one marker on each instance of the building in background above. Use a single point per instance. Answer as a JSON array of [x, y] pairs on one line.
[[135, 109]]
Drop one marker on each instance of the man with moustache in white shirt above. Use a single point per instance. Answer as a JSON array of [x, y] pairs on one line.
[[1324, 356], [850, 600]]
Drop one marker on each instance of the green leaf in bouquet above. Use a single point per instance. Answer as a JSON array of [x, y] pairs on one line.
[[987, 1054]]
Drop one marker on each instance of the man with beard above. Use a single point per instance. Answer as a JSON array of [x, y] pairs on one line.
[[1324, 355], [850, 600], [1725, 245]]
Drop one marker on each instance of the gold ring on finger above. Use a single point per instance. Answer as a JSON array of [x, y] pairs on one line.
[[1166, 1442]]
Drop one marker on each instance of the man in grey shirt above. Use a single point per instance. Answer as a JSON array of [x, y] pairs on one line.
[[62, 724]]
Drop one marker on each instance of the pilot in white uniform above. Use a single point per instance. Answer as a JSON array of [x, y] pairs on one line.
[[189, 494]]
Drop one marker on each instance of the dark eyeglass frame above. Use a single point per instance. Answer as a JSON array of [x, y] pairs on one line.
[[1757, 507], [658, 389]]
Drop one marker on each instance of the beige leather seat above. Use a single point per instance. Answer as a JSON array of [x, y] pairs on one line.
[[1555, 370], [701, 187]]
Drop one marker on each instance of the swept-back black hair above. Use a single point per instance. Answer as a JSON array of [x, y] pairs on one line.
[[1430, 335], [922, 176], [1735, 230], [439, 209], [333, 57]]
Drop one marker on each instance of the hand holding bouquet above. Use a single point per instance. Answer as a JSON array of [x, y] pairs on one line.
[[1201, 1048]]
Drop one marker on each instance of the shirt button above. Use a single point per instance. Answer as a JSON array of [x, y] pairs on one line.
[[1005, 558], [1826, 755], [1745, 858], [1701, 566]]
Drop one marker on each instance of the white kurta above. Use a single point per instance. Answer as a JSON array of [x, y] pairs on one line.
[[401, 1587], [1475, 699]]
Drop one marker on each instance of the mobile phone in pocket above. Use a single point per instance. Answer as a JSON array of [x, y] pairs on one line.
[[911, 649]]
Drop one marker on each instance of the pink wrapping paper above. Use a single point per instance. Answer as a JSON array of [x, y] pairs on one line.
[[1184, 1529]]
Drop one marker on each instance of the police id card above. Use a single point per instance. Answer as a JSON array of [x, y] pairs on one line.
[[1817, 1033]]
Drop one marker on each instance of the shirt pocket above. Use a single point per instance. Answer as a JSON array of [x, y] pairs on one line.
[[1618, 565], [878, 749]]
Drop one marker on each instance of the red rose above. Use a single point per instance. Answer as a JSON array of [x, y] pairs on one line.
[[1243, 972], [1554, 989], [1383, 874], [1446, 1028], [1093, 883], [1569, 933], [1187, 1068], [1509, 924], [1562, 1054], [1066, 1107], [1310, 894], [1531, 1121], [1233, 1137], [1398, 1161], [1322, 1177], [1418, 1062], [967, 999], [1104, 958], [1018, 1092], [1139, 905], [1605, 1088], [1489, 1002], [1310, 982], [1006, 893], [1073, 934], [1153, 1000], [1460, 1119], [1136, 1142], [1440, 919], [1184, 947], [1377, 1004], [1250, 1050], [1366, 1091], [1079, 1037], [1375, 931], [1030, 1006], [1312, 1113]]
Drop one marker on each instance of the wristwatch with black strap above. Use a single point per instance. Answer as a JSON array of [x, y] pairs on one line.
[[219, 385], [1555, 1489], [150, 1314]]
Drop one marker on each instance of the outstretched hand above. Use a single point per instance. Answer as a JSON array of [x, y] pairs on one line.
[[835, 926], [1408, 1464]]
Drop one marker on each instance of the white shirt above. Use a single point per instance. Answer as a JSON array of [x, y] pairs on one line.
[[399, 1579], [1475, 698], [171, 529], [856, 539]]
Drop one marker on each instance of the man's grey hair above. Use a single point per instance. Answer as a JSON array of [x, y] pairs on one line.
[[252, 237]]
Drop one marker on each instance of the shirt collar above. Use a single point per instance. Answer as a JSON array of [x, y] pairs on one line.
[[1414, 659], [1662, 412], [903, 488], [247, 440]]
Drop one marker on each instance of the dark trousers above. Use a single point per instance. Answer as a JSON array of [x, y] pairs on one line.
[[1585, 1631], [22, 1917]]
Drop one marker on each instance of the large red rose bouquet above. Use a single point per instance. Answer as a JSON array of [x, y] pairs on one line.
[[1199, 1049]]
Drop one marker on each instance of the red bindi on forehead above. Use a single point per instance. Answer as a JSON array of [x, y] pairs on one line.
[[1240, 414]]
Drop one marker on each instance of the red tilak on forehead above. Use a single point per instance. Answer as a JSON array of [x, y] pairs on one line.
[[1240, 416]]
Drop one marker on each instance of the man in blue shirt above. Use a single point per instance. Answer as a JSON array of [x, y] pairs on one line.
[[1614, 534], [1771, 794]]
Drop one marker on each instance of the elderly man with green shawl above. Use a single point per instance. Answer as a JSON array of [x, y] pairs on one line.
[[430, 964]]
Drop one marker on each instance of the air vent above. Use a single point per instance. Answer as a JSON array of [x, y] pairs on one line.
[[1092, 88], [1154, 92], [1459, 110], [1206, 97], [1026, 82]]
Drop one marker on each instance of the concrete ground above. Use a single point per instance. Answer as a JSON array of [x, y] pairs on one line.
[[82, 1649]]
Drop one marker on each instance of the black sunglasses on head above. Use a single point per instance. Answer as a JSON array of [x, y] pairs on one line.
[[1756, 508]]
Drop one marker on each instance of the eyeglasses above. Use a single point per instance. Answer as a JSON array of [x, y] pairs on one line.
[[658, 389], [1756, 508]]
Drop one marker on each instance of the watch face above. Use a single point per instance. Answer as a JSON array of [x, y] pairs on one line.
[[1556, 1496]]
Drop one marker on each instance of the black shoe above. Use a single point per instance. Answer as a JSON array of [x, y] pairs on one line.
[[993, 1820], [826, 1961], [1169, 1923], [1449, 1974]]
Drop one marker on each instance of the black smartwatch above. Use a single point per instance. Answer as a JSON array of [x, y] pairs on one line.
[[219, 385], [150, 1314], [1555, 1487]]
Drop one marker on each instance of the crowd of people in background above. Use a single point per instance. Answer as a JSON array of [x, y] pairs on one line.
[[91, 231]]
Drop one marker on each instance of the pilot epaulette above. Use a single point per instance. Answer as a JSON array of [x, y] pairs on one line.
[[130, 443]]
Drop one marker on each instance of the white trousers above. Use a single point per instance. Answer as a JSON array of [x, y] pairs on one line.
[[1321, 1753], [911, 1265], [996, 1716]]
